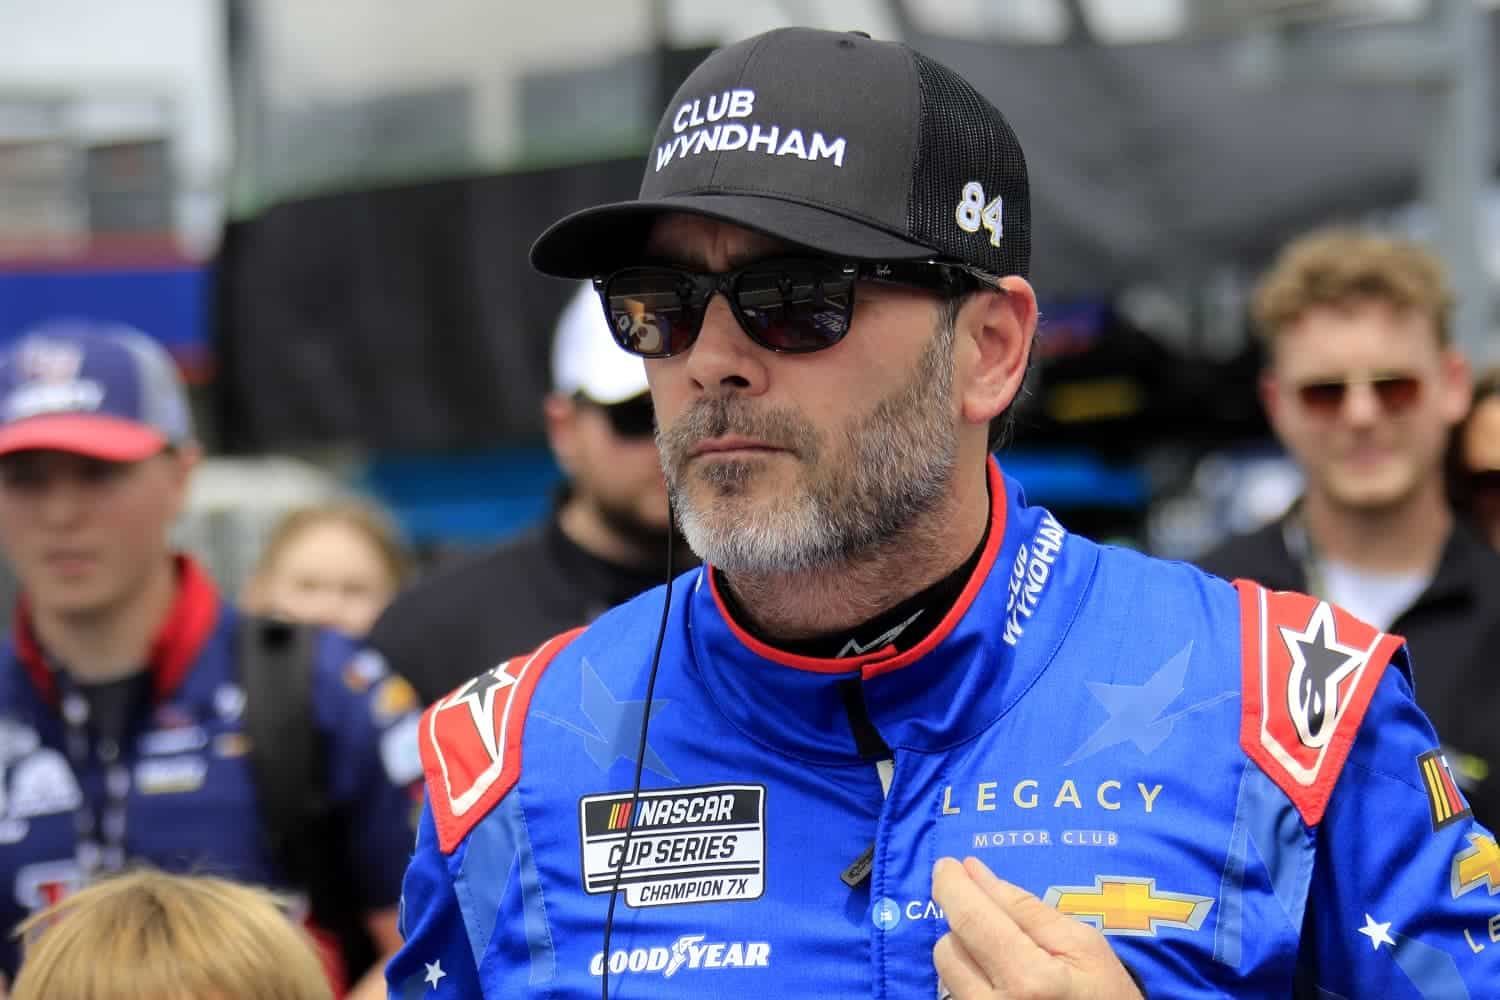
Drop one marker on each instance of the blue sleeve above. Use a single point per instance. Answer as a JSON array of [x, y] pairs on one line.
[[436, 961], [369, 719], [1402, 901]]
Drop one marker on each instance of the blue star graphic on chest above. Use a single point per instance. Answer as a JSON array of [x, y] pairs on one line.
[[1136, 710], [615, 724]]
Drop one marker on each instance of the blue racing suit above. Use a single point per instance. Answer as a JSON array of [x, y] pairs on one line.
[[1234, 785]]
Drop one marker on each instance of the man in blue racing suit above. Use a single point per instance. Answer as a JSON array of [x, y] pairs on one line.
[[890, 662]]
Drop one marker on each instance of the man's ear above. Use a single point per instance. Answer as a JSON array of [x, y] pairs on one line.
[[997, 328], [181, 460], [1457, 387], [560, 414]]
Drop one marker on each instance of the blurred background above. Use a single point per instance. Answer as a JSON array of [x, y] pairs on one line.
[[324, 211]]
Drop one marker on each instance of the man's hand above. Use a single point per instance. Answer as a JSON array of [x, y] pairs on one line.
[[1003, 942]]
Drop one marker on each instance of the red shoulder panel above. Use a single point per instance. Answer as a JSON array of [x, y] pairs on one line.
[[471, 741], [1309, 670]]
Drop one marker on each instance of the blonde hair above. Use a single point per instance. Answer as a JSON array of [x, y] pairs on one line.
[[369, 521], [147, 935], [1340, 267]]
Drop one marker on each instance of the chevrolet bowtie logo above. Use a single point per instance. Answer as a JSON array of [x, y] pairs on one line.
[[1118, 904], [1479, 865]]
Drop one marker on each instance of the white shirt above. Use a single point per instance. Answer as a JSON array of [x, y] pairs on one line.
[[1378, 598]]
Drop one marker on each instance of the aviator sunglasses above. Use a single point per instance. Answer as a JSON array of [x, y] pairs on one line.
[[791, 305], [1395, 392]]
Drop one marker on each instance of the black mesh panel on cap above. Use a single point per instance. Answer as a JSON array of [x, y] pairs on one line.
[[963, 138]]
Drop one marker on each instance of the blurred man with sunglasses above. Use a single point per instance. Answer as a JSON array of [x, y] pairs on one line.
[[758, 780], [604, 541], [1364, 389]]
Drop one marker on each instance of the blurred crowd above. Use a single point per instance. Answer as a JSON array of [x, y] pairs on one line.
[[150, 725]]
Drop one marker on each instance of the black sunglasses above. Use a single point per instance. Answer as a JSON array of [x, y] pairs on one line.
[[631, 418], [791, 305], [1484, 481], [1395, 392]]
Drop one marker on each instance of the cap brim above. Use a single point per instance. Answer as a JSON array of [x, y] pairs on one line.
[[109, 438], [598, 240]]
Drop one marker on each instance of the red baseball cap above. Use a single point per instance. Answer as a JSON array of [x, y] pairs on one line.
[[110, 392]]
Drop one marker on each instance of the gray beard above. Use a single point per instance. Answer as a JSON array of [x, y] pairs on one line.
[[891, 467]]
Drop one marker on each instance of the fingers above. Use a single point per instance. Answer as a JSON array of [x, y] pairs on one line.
[[988, 934], [1053, 932], [1020, 945], [958, 971]]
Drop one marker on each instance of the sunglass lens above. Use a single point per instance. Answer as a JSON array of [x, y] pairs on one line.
[[1485, 482], [653, 312], [1323, 398], [1397, 392], [634, 418], [796, 307]]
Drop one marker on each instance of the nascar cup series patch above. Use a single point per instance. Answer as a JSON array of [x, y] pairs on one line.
[[702, 844]]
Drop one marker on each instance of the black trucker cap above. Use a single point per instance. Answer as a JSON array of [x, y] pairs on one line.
[[829, 141]]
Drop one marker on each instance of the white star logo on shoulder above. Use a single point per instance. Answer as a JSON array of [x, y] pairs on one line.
[[1320, 663], [435, 973], [1378, 933], [478, 696]]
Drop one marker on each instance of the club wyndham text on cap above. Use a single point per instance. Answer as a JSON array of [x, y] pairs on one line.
[[831, 142], [109, 392]]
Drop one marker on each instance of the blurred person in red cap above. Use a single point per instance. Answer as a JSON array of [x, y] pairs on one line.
[[128, 719], [1364, 388], [603, 542], [1478, 447]]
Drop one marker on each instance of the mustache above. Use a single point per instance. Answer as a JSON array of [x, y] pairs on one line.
[[734, 415]]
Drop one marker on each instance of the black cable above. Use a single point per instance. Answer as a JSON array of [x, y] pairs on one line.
[[640, 755]]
